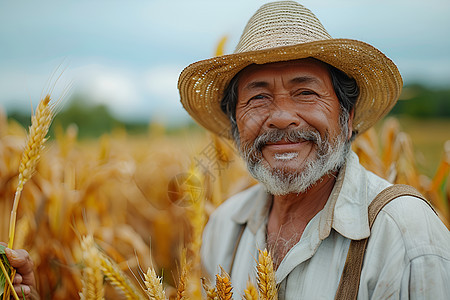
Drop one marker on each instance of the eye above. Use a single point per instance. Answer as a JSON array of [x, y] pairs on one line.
[[258, 97], [306, 93]]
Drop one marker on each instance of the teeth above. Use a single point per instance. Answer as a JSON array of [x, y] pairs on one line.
[[286, 155]]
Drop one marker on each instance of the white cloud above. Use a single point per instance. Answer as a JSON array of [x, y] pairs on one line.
[[129, 92], [108, 85], [115, 87], [161, 82]]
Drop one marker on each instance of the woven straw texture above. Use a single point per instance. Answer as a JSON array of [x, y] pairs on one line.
[[282, 31]]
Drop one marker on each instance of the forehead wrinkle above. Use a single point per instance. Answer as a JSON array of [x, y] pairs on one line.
[[304, 79], [256, 84]]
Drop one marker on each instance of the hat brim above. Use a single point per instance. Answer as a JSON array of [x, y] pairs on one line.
[[202, 84]]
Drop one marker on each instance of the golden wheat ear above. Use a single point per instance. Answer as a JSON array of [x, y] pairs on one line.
[[251, 292], [92, 280], [117, 278], [153, 284], [266, 276], [223, 285], [40, 123]]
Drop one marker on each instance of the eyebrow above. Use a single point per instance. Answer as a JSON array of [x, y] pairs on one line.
[[256, 84], [301, 79]]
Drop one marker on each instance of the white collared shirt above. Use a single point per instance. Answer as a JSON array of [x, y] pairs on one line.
[[407, 257]]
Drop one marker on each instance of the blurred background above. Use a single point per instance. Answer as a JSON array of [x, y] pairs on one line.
[[121, 141]]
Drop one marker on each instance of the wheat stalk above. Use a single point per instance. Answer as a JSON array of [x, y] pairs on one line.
[[117, 278], [153, 283], [40, 123], [10, 286], [196, 212], [197, 220], [223, 285], [92, 280], [266, 276], [251, 292]]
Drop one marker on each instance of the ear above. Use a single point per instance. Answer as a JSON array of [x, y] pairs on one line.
[[350, 123]]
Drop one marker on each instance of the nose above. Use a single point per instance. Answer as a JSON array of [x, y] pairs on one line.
[[283, 116]]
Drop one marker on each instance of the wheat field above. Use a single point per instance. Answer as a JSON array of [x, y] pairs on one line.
[[134, 207]]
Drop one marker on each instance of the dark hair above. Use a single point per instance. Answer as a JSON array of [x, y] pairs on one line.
[[228, 104], [345, 87]]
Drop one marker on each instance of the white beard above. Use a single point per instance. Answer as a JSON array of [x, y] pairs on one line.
[[282, 182], [330, 156]]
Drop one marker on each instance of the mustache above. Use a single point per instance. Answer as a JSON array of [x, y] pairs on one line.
[[291, 135]]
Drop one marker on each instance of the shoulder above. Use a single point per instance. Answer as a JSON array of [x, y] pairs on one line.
[[412, 222], [407, 252]]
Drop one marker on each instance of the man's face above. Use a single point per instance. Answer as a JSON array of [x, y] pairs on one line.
[[288, 117]]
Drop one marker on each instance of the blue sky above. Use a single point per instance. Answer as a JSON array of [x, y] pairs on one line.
[[128, 54]]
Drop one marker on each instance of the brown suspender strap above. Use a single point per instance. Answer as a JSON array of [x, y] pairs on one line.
[[349, 283]]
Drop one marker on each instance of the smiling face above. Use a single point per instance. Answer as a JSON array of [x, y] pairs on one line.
[[289, 121]]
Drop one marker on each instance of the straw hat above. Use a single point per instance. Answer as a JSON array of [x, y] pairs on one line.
[[282, 31]]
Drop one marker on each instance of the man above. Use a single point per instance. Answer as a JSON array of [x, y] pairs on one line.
[[293, 98]]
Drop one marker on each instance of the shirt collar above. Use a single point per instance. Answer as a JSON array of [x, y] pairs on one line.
[[345, 210]]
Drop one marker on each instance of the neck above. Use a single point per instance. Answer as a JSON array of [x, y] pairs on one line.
[[304, 205], [291, 213]]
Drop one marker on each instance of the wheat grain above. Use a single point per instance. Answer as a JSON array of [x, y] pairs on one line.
[[117, 278], [153, 283], [92, 279], [250, 293], [223, 285], [266, 276], [181, 290]]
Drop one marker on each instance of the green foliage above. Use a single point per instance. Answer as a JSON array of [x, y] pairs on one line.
[[92, 119], [422, 102], [5, 262]]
